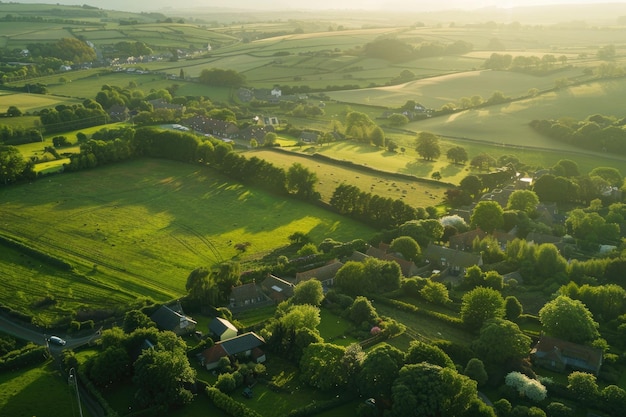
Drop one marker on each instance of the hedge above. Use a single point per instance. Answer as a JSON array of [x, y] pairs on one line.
[[95, 393], [317, 407], [28, 355], [400, 305], [229, 405]]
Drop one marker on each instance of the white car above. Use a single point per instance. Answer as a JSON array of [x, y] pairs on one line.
[[56, 340]]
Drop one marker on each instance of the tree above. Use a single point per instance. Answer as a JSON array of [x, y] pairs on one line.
[[308, 292], [566, 168], [583, 386], [475, 369], [429, 390], [524, 200], [407, 247], [379, 370], [136, 319], [472, 185], [526, 387], [457, 154], [422, 352], [201, 287], [435, 292], [549, 263], [398, 119], [321, 366], [568, 319], [362, 311], [270, 139], [611, 175], [13, 111], [500, 341], [12, 164], [162, 378], [480, 305], [427, 145], [110, 366], [301, 181], [377, 137], [512, 307], [488, 216]]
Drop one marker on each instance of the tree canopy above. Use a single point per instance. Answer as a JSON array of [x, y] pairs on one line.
[[427, 146], [568, 319], [480, 305], [488, 215]]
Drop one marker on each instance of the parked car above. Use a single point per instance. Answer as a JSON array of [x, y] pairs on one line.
[[57, 340]]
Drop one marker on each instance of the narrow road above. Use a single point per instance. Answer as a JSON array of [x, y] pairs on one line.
[[28, 332]]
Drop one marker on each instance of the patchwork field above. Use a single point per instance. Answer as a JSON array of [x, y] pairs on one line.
[[137, 229]]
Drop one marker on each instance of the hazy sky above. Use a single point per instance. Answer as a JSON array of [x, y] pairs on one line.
[[391, 5]]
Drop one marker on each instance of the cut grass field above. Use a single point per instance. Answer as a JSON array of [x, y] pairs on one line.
[[139, 228], [416, 193]]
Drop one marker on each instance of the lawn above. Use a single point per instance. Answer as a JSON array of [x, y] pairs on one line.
[[37, 391], [334, 329], [139, 228]]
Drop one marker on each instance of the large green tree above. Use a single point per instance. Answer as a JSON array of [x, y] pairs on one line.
[[480, 305], [524, 200], [568, 319], [488, 215], [407, 247], [12, 164], [500, 341], [423, 352], [429, 390], [308, 292], [321, 366], [427, 146], [379, 370], [301, 181]]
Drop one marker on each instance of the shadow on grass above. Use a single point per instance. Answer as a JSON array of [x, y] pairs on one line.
[[419, 168]]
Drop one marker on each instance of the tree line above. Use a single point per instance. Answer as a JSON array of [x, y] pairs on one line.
[[597, 132], [396, 50]]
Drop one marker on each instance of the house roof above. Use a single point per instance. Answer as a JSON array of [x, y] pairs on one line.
[[278, 284], [219, 325], [465, 240], [435, 253], [214, 353], [573, 354], [322, 273], [407, 267], [241, 343], [244, 292], [168, 319], [358, 256]]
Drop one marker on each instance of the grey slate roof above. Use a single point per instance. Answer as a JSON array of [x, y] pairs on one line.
[[241, 343], [219, 325]]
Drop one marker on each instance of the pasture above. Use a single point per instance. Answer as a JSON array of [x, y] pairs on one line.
[[416, 193], [137, 229], [29, 103]]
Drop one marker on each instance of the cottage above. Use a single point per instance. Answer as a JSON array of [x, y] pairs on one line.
[[408, 268], [245, 295], [246, 344], [451, 261], [560, 355], [325, 274], [222, 329], [173, 319], [277, 288]]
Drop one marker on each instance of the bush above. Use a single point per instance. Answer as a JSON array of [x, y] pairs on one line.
[[229, 405]]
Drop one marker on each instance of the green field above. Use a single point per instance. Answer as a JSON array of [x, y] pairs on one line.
[[137, 229], [29, 103]]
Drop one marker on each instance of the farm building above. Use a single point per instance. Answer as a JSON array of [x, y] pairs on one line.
[[560, 355], [451, 261], [222, 329], [247, 344], [245, 295], [325, 274], [173, 319], [277, 288]]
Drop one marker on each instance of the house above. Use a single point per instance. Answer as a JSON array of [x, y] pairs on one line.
[[408, 268], [277, 288], [560, 355], [465, 241], [222, 329], [271, 120], [119, 113], [308, 137], [244, 295], [246, 344], [325, 274], [173, 319], [451, 261], [276, 92], [159, 103]]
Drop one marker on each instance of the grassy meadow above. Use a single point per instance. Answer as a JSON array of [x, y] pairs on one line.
[[137, 229]]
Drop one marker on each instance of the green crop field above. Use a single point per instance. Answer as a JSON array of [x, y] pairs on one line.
[[29, 103], [137, 229]]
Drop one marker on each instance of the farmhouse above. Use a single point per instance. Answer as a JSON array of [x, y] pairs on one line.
[[222, 329], [325, 274], [560, 355], [246, 344], [173, 319], [408, 268], [465, 241], [277, 288], [451, 261], [208, 126], [245, 295]]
